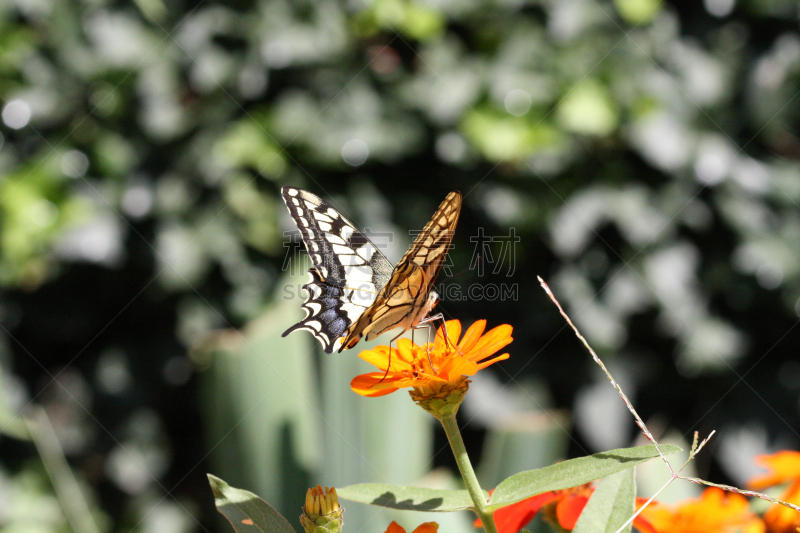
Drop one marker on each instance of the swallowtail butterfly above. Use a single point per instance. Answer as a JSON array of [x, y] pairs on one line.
[[353, 290]]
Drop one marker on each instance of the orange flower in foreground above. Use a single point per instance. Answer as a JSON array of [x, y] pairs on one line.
[[441, 369], [561, 507], [783, 467], [427, 527], [714, 510]]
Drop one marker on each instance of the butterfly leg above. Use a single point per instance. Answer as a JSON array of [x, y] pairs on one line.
[[390, 355], [428, 322]]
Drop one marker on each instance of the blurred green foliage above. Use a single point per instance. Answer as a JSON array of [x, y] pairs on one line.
[[644, 151]]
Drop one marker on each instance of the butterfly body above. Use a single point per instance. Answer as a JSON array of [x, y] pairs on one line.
[[353, 290]]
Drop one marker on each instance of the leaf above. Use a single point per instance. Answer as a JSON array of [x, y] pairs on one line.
[[407, 498], [610, 506], [572, 473], [247, 512]]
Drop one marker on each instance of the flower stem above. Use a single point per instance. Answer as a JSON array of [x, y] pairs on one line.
[[467, 473]]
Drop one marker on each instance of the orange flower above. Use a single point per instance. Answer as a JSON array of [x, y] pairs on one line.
[[440, 370], [427, 527], [559, 507], [714, 510], [784, 466]]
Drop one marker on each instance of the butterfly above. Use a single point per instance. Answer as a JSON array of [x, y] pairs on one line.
[[353, 290]]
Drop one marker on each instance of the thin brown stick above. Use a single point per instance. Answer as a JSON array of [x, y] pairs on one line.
[[639, 422]]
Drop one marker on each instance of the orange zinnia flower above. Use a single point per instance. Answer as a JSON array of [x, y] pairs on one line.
[[714, 510], [559, 507], [784, 467], [427, 527], [432, 369]]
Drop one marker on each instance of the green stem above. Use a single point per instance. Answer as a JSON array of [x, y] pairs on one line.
[[467, 473]]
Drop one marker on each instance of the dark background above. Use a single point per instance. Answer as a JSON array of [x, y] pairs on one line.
[[644, 152]]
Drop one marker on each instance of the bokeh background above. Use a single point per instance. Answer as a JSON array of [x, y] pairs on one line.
[[640, 155]]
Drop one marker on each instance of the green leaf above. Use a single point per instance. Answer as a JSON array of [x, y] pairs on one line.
[[638, 11], [247, 512], [500, 137], [610, 506], [407, 498], [588, 109], [572, 473]]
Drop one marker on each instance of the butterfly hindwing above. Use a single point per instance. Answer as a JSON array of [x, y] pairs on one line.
[[348, 270]]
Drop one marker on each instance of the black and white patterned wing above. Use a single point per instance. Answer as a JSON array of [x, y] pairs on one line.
[[348, 270]]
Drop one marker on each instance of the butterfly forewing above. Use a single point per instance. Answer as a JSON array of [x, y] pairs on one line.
[[432, 244], [348, 270], [403, 301]]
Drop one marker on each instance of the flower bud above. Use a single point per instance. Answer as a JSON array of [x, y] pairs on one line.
[[321, 513]]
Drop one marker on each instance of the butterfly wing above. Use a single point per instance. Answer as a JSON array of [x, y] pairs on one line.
[[348, 272], [404, 300], [432, 244]]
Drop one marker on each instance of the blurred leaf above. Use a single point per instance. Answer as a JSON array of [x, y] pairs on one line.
[[261, 403], [247, 144], [114, 153], [522, 441], [588, 109], [611, 505], [414, 20], [407, 498], [35, 210], [502, 137], [155, 10], [247, 512], [638, 11], [70, 494], [11, 424], [572, 473], [421, 22]]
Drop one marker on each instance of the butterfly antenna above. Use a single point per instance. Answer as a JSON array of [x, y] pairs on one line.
[[477, 262]]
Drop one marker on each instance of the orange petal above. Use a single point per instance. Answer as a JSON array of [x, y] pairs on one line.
[[569, 509], [493, 360], [453, 328], [756, 525], [512, 518], [458, 366], [783, 466], [394, 527], [655, 518], [374, 384], [406, 351], [496, 339], [472, 336], [780, 518], [379, 357], [427, 527]]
